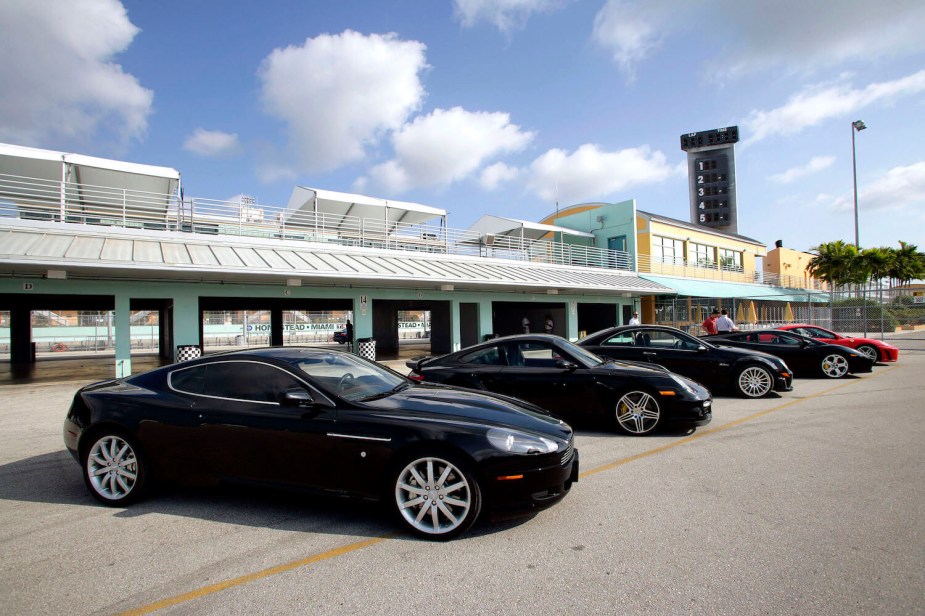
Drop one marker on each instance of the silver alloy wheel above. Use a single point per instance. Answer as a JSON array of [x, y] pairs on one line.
[[433, 496], [112, 468], [754, 382], [834, 366], [638, 412], [870, 351]]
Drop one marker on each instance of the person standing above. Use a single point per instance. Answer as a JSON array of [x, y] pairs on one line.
[[724, 324], [525, 322], [349, 328], [709, 325], [635, 319], [548, 324]]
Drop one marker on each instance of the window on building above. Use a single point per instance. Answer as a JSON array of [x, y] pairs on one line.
[[701, 255], [667, 250], [730, 260]]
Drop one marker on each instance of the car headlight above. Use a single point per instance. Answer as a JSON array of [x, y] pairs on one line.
[[520, 442]]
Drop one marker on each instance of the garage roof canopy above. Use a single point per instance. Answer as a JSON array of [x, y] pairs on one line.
[[17, 160], [332, 204], [497, 225]]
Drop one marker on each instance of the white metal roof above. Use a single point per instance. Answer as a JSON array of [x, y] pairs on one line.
[[86, 171], [317, 201], [31, 247], [498, 225]]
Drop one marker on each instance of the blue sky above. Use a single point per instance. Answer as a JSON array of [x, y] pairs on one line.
[[491, 106]]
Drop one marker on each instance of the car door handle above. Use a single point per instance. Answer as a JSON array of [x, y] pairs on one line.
[[653, 354]]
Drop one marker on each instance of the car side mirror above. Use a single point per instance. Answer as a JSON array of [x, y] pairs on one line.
[[701, 349], [566, 365], [296, 397]]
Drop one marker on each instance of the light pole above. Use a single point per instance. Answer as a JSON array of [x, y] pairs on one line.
[[856, 127]]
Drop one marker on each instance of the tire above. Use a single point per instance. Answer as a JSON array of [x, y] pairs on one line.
[[637, 413], [436, 496], [834, 366], [754, 381], [114, 469], [870, 351]]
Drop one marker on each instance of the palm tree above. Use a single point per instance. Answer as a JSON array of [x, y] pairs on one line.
[[835, 263], [908, 264]]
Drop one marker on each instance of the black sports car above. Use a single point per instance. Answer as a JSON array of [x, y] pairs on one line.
[[751, 374], [806, 355], [567, 380], [322, 420]]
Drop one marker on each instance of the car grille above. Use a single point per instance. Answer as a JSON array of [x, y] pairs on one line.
[[569, 453]]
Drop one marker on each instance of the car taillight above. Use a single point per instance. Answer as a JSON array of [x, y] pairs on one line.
[[414, 376]]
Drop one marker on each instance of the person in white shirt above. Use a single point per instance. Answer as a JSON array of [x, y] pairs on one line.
[[635, 320], [724, 324], [526, 324]]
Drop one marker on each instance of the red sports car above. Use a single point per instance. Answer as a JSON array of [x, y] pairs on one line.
[[877, 350]]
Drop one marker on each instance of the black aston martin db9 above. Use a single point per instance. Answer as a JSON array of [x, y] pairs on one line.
[[322, 420], [569, 381]]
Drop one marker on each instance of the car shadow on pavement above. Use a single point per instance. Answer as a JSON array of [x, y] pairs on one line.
[[54, 478]]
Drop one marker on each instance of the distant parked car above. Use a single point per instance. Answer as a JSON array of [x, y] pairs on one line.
[[877, 350], [805, 355], [568, 381], [751, 374], [340, 337], [326, 421]]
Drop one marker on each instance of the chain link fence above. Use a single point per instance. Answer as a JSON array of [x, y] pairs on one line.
[[868, 312]]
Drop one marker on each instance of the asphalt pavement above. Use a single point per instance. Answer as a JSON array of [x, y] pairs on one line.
[[811, 502]]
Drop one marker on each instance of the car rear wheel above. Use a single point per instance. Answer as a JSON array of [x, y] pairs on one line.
[[870, 351], [114, 469], [437, 497], [834, 366], [637, 413], [754, 382]]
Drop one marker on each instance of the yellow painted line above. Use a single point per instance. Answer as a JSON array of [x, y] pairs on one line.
[[251, 577], [702, 433], [359, 545]]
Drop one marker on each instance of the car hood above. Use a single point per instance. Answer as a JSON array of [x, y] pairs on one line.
[[458, 404]]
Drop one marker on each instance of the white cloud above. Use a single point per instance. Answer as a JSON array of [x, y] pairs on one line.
[[630, 31], [819, 103], [446, 146], [899, 188], [495, 175], [339, 94], [212, 143], [590, 173], [815, 165], [59, 79], [795, 35], [506, 15]]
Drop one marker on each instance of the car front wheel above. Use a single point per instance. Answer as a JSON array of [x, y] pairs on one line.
[[870, 351], [834, 366], [114, 470], [754, 382], [437, 497], [637, 413]]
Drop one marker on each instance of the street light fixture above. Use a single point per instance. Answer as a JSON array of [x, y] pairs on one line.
[[856, 127]]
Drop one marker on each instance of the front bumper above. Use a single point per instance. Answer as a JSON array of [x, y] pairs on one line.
[[783, 383], [536, 489]]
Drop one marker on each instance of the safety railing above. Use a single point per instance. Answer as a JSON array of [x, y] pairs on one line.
[[42, 199]]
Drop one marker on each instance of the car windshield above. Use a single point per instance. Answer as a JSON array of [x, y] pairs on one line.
[[350, 377], [584, 356]]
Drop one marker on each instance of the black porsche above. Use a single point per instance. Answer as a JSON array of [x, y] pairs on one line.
[[571, 382], [748, 373], [322, 420], [807, 356]]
